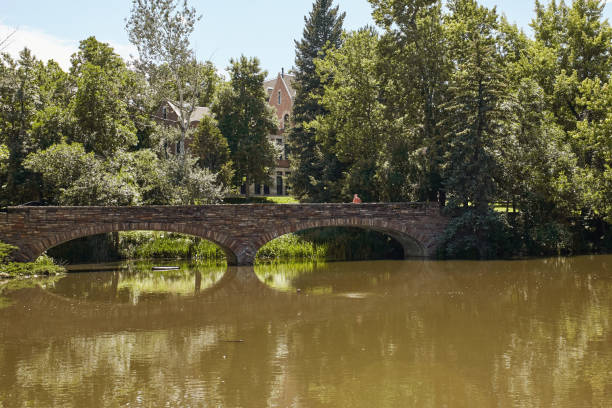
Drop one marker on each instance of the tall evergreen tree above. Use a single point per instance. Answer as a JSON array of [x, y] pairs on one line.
[[313, 167], [246, 120], [473, 111]]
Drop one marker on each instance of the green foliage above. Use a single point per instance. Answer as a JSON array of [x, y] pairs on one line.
[[474, 235], [212, 150], [159, 245], [4, 155], [414, 68], [245, 119], [42, 266], [290, 248], [476, 92], [354, 128], [161, 31], [5, 252], [99, 106], [353, 244], [550, 238], [73, 177], [314, 169]]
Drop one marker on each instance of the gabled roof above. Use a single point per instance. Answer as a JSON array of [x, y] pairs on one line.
[[196, 116], [288, 81]]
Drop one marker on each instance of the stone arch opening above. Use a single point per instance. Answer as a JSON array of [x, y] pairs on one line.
[[37, 248], [408, 241]]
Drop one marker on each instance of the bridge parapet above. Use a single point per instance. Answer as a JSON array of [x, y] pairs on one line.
[[239, 229]]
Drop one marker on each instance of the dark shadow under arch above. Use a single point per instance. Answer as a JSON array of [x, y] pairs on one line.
[[219, 239], [411, 240]]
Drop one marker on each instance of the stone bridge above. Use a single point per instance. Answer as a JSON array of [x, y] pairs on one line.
[[239, 229]]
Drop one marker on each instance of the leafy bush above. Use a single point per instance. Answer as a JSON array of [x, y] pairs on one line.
[[472, 235], [44, 265], [551, 238]]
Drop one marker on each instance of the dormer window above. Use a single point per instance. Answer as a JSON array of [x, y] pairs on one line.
[[279, 97]]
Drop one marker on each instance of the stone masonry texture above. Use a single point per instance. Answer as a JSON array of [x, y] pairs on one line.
[[239, 229]]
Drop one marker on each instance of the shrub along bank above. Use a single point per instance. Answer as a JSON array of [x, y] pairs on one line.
[[44, 265]]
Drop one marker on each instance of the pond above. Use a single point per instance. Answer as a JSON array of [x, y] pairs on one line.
[[349, 334]]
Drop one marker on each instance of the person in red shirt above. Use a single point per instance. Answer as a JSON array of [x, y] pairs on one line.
[[356, 199]]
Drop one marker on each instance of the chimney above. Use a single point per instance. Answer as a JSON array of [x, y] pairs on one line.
[[282, 72]]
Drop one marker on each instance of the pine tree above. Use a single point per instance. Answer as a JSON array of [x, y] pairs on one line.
[[246, 120], [476, 91], [313, 167]]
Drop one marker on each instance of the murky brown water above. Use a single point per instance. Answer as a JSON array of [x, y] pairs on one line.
[[372, 334]]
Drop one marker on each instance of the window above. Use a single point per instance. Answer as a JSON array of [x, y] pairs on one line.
[[257, 189], [266, 189], [279, 97], [165, 113]]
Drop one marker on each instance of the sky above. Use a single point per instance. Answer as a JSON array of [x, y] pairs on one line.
[[256, 28]]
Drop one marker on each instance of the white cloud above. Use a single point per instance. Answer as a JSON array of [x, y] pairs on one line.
[[46, 46]]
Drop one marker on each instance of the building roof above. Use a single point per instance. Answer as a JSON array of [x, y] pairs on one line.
[[269, 86], [289, 80], [196, 116]]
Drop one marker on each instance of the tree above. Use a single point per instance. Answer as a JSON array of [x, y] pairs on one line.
[[313, 169], [593, 137], [192, 184], [102, 122], [161, 31], [212, 150], [245, 119], [355, 113], [19, 102], [414, 71], [476, 91], [71, 176], [577, 40]]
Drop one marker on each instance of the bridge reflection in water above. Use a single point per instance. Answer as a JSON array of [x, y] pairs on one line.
[[367, 334]]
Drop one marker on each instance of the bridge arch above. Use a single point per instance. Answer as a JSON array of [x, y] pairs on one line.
[[37, 248], [412, 240]]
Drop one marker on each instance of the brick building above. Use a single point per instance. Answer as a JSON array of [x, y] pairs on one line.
[[280, 96]]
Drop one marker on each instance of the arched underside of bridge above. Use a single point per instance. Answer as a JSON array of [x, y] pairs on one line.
[[35, 248], [413, 241]]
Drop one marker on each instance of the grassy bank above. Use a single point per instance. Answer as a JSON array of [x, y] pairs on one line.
[[43, 266], [317, 245], [160, 245]]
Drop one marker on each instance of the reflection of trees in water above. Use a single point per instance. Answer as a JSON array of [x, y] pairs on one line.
[[524, 333], [138, 282]]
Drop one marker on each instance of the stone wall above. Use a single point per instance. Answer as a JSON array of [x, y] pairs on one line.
[[239, 229]]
